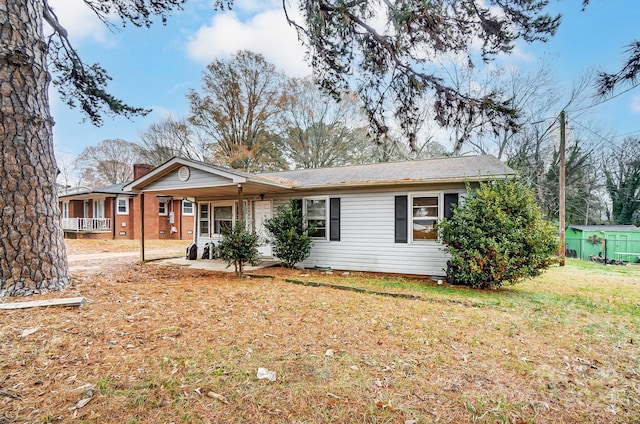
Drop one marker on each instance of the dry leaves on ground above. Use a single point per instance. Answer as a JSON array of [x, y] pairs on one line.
[[169, 344]]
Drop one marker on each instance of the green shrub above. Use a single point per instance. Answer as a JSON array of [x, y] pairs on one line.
[[238, 247], [498, 236], [290, 240]]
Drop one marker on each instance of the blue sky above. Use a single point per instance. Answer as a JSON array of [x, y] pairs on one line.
[[155, 68]]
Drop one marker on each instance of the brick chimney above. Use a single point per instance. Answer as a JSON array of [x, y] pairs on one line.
[[139, 169]]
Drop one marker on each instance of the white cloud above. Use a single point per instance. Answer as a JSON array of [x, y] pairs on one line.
[[161, 112], [254, 6], [635, 104], [79, 21], [266, 32]]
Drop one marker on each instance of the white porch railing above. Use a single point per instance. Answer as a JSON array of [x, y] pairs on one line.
[[86, 224]]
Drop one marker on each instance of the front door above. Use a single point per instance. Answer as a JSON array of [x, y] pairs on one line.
[[262, 212]]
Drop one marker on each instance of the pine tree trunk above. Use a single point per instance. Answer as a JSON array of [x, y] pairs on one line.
[[32, 252]]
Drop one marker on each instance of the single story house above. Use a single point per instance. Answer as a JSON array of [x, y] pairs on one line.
[[377, 217], [111, 213], [621, 242]]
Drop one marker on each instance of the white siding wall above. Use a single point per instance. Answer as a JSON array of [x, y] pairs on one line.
[[215, 238], [198, 178], [367, 239]]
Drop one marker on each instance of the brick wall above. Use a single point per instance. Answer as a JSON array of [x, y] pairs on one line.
[[123, 225], [128, 226]]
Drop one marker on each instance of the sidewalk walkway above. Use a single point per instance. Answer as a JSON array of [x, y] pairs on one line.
[[214, 264]]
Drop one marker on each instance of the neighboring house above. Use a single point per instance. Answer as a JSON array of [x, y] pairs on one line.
[[621, 242], [378, 217], [111, 213]]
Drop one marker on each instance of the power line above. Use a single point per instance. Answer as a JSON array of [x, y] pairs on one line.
[[605, 100], [595, 133], [626, 134]]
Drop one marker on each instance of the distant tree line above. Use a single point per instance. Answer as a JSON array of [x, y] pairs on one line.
[[249, 116]]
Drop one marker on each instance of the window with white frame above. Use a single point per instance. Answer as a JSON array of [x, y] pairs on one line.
[[65, 209], [215, 218], [425, 211], [122, 206], [187, 207], [222, 218], [163, 207], [315, 215], [203, 220]]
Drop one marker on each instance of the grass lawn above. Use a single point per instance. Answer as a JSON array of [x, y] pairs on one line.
[[164, 344]]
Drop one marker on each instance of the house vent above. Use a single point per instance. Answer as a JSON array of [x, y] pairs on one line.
[[183, 173]]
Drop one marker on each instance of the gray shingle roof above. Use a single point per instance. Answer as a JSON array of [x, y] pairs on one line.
[[430, 170], [110, 189]]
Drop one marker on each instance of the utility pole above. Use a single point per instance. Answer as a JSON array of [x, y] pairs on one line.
[[562, 183]]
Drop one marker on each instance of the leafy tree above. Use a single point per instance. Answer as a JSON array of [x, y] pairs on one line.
[[169, 138], [85, 85], [237, 108], [32, 252], [636, 218], [384, 52], [342, 42], [109, 162], [239, 247], [621, 169], [628, 74], [580, 185], [498, 236], [290, 239], [533, 151], [531, 94], [319, 131]]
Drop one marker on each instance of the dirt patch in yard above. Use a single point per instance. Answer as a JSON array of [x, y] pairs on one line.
[[171, 344]]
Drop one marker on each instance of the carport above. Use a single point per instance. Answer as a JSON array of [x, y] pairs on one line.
[[201, 183]]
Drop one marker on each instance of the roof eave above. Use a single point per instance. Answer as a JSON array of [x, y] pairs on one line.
[[269, 183], [175, 163]]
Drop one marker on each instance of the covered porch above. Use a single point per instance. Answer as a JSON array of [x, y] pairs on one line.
[[86, 224], [221, 198]]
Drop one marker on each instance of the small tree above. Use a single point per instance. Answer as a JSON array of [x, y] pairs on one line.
[[291, 242], [498, 236], [238, 247]]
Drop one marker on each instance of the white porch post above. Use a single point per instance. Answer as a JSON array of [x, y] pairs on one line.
[[240, 206]]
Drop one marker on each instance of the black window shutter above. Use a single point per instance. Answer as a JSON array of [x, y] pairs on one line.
[[401, 219], [334, 219], [450, 199], [297, 203]]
